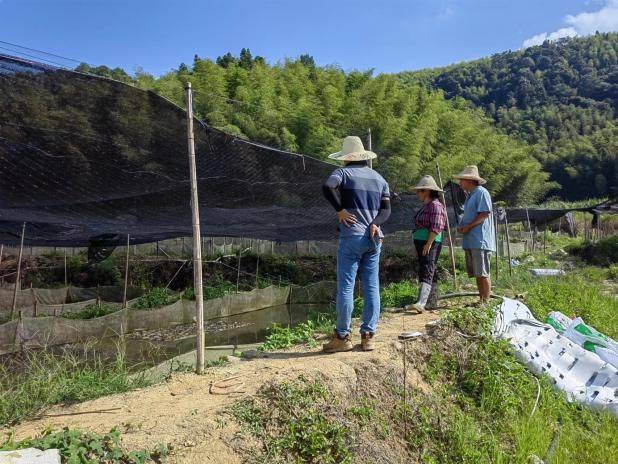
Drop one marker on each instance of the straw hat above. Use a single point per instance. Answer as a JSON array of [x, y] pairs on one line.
[[472, 173], [353, 150], [427, 183]]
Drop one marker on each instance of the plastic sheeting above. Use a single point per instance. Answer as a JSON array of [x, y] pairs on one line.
[[581, 374]]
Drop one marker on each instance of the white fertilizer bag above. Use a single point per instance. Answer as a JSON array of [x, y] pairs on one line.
[[582, 375]]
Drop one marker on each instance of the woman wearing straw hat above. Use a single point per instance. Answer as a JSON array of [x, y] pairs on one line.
[[362, 200], [477, 228], [429, 222]]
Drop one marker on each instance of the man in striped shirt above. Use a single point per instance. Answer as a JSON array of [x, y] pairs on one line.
[[361, 198]]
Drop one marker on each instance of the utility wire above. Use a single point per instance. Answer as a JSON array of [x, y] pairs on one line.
[[40, 51]]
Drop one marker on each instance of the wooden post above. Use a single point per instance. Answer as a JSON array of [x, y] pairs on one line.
[[495, 218], [238, 270], [197, 250], [545, 239], [448, 229], [66, 284], [530, 229], [18, 275], [257, 271], [369, 146], [126, 273], [508, 242], [1, 251]]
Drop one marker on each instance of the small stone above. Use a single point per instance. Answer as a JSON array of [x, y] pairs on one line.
[[253, 354], [232, 359]]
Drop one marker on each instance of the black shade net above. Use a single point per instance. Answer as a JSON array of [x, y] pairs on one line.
[[85, 159]]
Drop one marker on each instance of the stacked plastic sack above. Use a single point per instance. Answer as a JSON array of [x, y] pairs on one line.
[[585, 336], [581, 373]]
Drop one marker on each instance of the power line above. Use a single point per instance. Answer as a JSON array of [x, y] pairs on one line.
[[40, 51]]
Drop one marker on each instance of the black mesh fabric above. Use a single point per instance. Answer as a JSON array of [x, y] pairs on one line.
[[86, 159]]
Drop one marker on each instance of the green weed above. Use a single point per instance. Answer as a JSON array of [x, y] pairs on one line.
[[92, 311], [155, 298], [44, 379], [87, 447], [293, 421]]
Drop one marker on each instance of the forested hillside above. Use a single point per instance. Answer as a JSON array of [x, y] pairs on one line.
[[560, 97], [307, 109]]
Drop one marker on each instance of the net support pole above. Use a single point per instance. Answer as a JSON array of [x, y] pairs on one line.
[[126, 272], [448, 229], [369, 146], [18, 275], [197, 249], [66, 279], [508, 243], [495, 218]]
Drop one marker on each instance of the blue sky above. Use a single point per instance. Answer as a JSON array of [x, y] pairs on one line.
[[388, 35]]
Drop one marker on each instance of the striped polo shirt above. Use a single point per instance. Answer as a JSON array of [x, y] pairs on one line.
[[362, 190]]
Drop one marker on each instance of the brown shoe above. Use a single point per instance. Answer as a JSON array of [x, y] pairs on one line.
[[338, 344], [367, 341]]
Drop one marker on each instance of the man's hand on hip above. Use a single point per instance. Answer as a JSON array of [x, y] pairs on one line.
[[346, 218], [374, 231]]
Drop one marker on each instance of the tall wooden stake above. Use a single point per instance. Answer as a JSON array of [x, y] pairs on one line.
[[18, 275], [508, 243], [197, 250], [448, 229], [126, 272], [369, 147], [495, 218], [66, 280], [1, 251]]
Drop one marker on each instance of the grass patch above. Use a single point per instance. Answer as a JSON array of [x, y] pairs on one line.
[[87, 447], [602, 253], [294, 423], [283, 337], [92, 311], [482, 400], [43, 379]]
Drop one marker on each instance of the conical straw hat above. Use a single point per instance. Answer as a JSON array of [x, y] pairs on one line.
[[353, 150], [471, 172], [427, 183]]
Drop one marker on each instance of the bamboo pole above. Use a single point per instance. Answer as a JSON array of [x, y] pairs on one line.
[[508, 243], [126, 272], [197, 250], [448, 228], [66, 280], [495, 218], [1, 252], [18, 275], [369, 146]]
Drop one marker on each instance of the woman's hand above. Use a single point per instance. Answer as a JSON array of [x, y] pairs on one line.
[[346, 218], [427, 248]]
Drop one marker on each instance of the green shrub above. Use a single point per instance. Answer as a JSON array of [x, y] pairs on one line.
[[604, 252], [87, 447], [155, 298], [92, 311]]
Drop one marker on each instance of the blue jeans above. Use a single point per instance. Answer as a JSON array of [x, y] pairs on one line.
[[358, 253]]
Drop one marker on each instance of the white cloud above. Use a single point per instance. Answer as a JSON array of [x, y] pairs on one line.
[[603, 20]]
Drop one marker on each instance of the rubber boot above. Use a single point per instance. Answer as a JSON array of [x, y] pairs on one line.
[[422, 297]]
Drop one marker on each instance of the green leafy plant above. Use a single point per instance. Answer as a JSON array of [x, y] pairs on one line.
[[76, 446], [293, 422], [92, 311], [155, 298]]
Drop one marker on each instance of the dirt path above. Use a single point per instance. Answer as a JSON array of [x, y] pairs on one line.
[[182, 412]]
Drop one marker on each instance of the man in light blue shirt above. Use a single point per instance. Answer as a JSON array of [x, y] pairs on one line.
[[477, 227]]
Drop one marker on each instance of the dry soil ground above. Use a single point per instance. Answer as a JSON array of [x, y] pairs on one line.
[[185, 414]]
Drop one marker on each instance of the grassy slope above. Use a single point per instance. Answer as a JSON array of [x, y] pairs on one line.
[[482, 403]]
